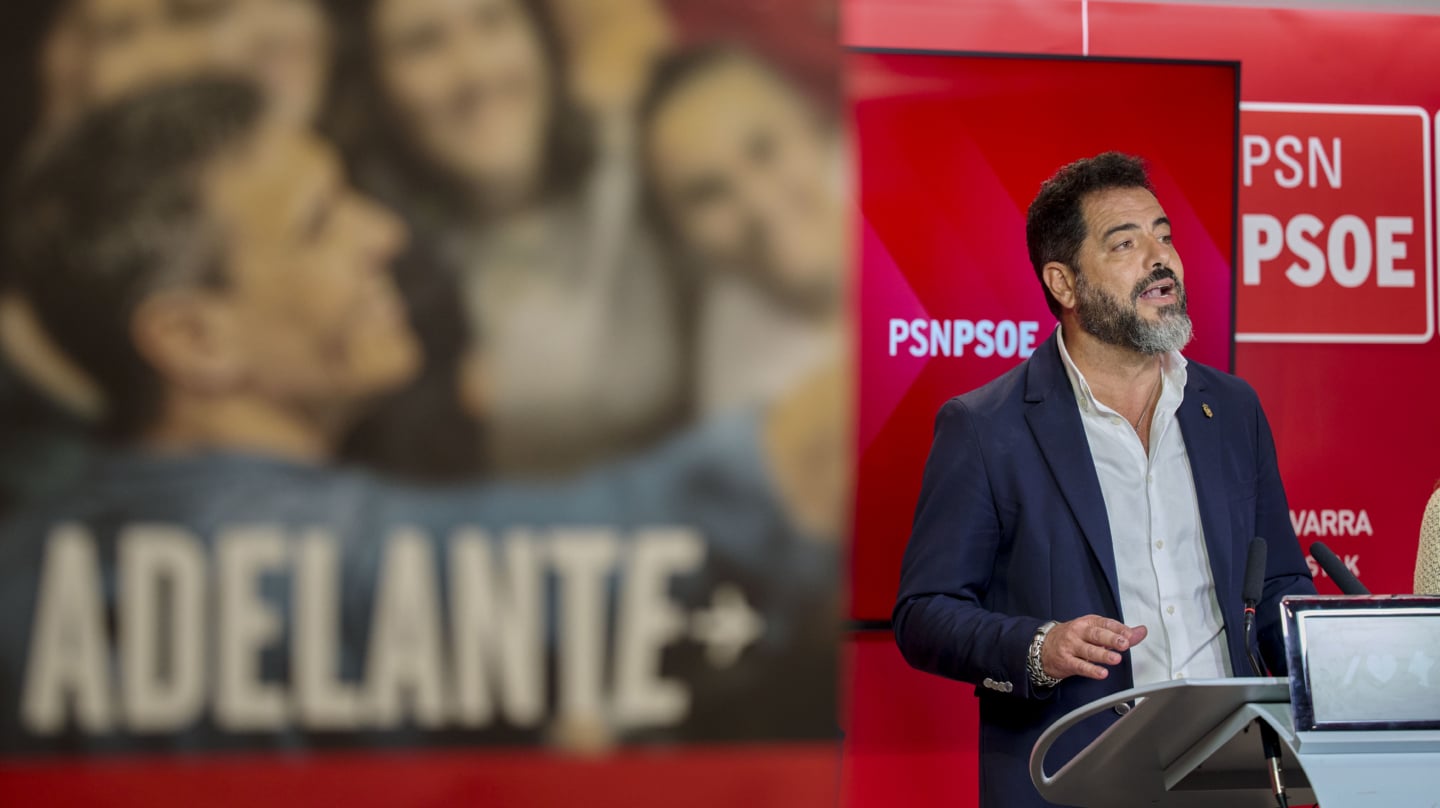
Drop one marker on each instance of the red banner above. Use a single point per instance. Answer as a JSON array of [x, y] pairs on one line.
[[1335, 224]]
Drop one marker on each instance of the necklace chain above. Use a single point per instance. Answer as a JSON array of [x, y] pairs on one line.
[[1154, 399]]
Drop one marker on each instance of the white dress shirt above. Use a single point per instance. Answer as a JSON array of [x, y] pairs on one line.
[[1163, 571]]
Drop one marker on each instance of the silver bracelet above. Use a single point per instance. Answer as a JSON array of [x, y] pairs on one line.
[[1038, 677]]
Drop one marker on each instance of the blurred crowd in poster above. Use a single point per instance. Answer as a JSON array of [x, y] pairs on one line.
[[418, 372]]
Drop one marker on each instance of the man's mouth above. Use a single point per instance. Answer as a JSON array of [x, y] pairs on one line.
[[1159, 290]]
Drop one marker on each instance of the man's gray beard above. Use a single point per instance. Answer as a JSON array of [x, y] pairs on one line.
[[1111, 322]]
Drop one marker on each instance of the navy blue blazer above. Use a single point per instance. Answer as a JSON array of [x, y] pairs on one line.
[[1011, 531]]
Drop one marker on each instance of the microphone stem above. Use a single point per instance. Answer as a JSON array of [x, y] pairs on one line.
[[1269, 740], [1257, 667], [1271, 744]]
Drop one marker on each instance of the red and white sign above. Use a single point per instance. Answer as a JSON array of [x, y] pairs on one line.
[[1335, 227]]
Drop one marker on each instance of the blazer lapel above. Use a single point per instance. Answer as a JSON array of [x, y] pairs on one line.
[[1054, 420], [1202, 433]]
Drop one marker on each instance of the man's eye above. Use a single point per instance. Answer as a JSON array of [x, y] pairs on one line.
[[1124, 245]]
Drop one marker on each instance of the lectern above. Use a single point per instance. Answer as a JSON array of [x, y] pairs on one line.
[[1358, 720]]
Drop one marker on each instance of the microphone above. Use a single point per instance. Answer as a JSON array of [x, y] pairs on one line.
[[1250, 593], [1336, 569]]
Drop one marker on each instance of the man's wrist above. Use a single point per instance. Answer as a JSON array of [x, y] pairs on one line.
[[1033, 664]]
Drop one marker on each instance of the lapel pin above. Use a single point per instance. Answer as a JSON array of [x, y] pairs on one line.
[[1205, 408]]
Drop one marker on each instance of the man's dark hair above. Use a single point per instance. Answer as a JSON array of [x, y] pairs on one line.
[[22, 44], [1055, 224], [113, 211]]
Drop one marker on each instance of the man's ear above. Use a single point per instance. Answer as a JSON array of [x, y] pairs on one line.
[[1060, 280], [189, 337]]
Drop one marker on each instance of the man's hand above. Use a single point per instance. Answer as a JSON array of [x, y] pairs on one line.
[[1086, 645]]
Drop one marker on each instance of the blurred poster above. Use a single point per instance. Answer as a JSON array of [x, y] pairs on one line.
[[417, 374]]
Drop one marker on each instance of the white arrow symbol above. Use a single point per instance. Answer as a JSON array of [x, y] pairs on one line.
[[727, 627]]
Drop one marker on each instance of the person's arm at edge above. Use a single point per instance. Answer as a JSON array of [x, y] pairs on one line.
[[1427, 555]]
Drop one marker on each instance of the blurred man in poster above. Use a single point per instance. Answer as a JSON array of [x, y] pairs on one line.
[[1084, 521], [211, 269], [70, 57]]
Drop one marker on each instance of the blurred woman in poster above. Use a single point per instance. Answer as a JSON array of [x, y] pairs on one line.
[[459, 113], [745, 169]]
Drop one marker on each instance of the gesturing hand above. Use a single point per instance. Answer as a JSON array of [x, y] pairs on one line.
[[1085, 645]]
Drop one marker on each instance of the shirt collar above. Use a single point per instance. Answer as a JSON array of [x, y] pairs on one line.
[[1172, 369]]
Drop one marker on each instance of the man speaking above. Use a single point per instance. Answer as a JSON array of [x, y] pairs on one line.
[[1083, 521]]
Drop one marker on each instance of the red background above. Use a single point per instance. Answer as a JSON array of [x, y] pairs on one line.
[[952, 150], [1354, 424]]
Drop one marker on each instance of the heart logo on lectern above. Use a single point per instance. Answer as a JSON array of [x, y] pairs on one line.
[[1420, 665], [1382, 667]]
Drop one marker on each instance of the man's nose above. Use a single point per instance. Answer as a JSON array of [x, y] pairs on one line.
[[1160, 254]]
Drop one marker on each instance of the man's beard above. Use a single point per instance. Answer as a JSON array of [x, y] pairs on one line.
[[1111, 321]]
